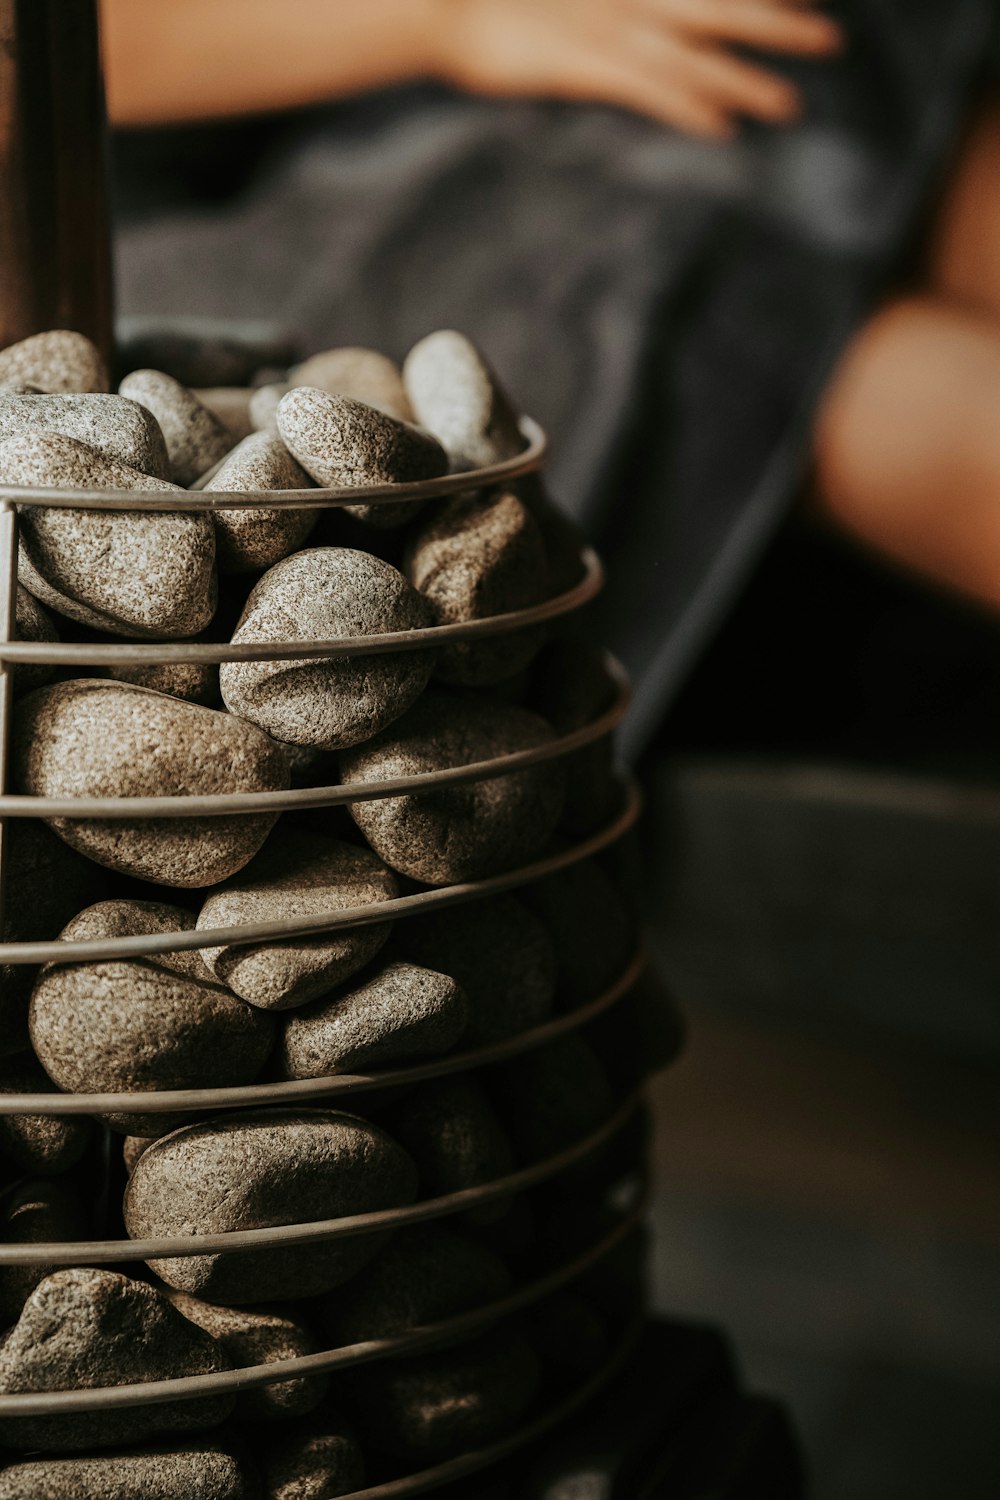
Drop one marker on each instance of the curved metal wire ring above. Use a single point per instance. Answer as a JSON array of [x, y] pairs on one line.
[[272, 1236], [414, 1340], [302, 1090], [146, 945], [52, 497], [239, 804]]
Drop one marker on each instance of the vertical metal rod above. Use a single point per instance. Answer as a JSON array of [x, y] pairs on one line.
[[8, 632]]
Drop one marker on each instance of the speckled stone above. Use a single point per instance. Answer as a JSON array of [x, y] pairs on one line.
[[570, 685], [452, 1131], [264, 406], [400, 1014], [456, 395], [344, 444], [85, 1328], [31, 624], [467, 830], [58, 360], [260, 1336], [112, 425], [42, 1145], [551, 1097], [589, 927], [247, 1170], [36, 1212], [480, 555], [318, 595], [363, 374], [86, 738], [148, 1024], [314, 1459], [141, 573], [132, 1148], [20, 388], [230, 404], [298, 874], [205, 1469], [251, 540], [195, 437], [500, 955], [426, 1273], [194, 682], [435, 1406]]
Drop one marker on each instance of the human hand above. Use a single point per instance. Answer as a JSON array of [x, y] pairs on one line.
[[670, 59]]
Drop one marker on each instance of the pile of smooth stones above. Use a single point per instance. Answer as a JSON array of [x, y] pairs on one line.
[[459, 1073]]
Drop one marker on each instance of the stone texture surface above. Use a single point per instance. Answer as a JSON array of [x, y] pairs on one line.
[[477, 556], [250, 540], [457, 396], [36, 1212], [319, 595], [400, 1014], [467, 830], [132, 1148], [147, 1024], [261, 1336], [297, 875], [135, 573], [118, 428], [501, 956], [363, 374], [426, 1273], [589, 926], [31, 624], [264, 406], [247, 1170], [571, 686], [231, 405], [344, 444], [452, 1131], [315, 1459], [89, 738], [195, 437], [193, 682], [86, 1328], [41, 1145], [57, 360], [551, 1097], [206, 1469]]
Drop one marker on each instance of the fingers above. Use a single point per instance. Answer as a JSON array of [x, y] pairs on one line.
[[772, 25], [616, 80], [732, 84]]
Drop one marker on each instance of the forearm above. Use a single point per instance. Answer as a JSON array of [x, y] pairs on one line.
[[171, 60]]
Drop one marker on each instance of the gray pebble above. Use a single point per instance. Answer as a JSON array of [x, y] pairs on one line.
[[251, 540], [132, 1148], [314, 1459], [452, 1131], [344, 444], [58, 360], [426, 1273], [589, 927], [471, 829], [191, 681], [363, 374], [112, 425], [154, 1023], [319, 595], [230, 404], [19, 388], [31, 624], [208, 1469], [551, 1097], [456, 395], [264, 406], [86, 1328], [248, 1170], [41, 1145], [142, 573], [500, 955], [298, 874], [400, 1014], [36, 1212], [195, 437], [480, 555], [260, 1336], [85, 738]]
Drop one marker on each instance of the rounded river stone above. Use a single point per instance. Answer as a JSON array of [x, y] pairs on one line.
[[87, 738], [249, 1170], [452, 1131], [477, 556], [501, 956], [141, 573], [314, 1459], [32, 624], [42, 1145], [571, 685], [264, 406], [466, 830], [250, 540], [260, 1336], [589, 927], [55, 361], [551, 1097], [86, 1328], [192, 681], [320, 595], [298, 875], [457, 396], [144, 1024], [205, 1469], [400, 1014], [231, 405], [363, 374], [36, 1212], [113, 425], [345, 444], [195, 437]]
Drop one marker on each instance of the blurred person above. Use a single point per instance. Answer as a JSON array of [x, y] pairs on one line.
[[724, 293]]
